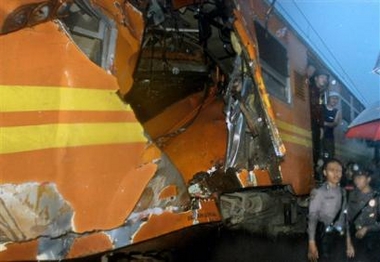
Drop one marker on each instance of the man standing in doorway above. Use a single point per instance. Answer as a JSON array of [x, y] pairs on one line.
[[318, 86], [331, 118]]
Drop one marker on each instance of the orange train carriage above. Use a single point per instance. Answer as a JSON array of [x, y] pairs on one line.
[[123, 121]]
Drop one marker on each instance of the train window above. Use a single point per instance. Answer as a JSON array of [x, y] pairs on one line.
[[357, 105], [276, 84], [274, 62], [93, 32], [346, 111], [345, 94], [355, 114]]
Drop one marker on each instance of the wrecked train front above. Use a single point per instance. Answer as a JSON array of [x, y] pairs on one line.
[[122, 121], [78, 175]]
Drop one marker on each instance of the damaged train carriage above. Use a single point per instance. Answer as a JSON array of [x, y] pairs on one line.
[[122, 121]]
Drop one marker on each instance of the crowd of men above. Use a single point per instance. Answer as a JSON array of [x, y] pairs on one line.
[[343, 222]]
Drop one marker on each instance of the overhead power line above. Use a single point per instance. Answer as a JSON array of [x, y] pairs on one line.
[[329, 51], [346, 76]]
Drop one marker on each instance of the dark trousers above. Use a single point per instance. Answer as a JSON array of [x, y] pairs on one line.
[[328, 147], [367, 249], [331, 247]]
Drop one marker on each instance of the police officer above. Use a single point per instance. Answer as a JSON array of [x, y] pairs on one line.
[[327, 206], [364, 217]]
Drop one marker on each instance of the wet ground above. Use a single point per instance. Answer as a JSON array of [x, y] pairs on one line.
[[218, 244], [213, 244], [242, 246], [239, 245]]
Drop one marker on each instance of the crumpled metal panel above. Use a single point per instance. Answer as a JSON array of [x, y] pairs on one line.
[[55, 248], [249, 134], [31, 210], [152, 202], [165, 194], [38, 211], [116, 200]]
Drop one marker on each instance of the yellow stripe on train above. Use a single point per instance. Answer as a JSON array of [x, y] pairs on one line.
[[296, 140], [39, 98], [29, 138], [294, 129], [298, 135]]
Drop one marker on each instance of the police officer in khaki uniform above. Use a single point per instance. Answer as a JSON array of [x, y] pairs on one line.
[[364, 218], [327, 208]]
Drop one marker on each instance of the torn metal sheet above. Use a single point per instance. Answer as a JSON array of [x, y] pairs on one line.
[[152, 203], [31, 210], [110, 78]]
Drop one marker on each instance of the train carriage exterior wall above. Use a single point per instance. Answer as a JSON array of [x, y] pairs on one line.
[[87, 166]]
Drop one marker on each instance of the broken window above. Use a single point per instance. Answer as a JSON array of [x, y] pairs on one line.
[[274, 64], [93, 32]]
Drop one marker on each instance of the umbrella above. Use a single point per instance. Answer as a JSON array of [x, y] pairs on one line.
[[367, 124]]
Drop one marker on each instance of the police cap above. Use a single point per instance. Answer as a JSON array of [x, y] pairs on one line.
[[362, 172], [333, 93]]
